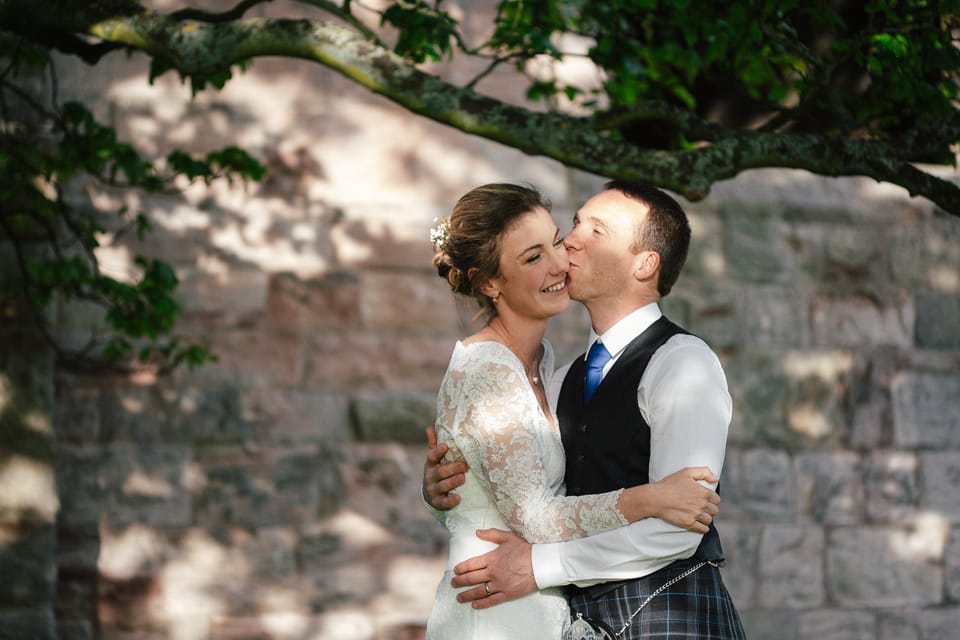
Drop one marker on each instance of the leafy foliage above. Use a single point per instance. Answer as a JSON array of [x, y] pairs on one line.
[[424, 32], [680, 92], [683, 93], [42, 148], [840, 69], [198, 81]]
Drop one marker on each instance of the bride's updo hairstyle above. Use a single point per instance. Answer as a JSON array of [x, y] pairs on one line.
[[467, 242]]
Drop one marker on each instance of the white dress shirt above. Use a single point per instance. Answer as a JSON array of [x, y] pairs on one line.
[[683, 397]]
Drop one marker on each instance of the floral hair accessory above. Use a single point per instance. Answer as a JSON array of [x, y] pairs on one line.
[[439, 232]]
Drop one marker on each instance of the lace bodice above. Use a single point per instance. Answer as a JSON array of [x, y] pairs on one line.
[[488, 414]]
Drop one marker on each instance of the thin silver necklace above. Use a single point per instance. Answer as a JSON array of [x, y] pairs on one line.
[[535, 376]]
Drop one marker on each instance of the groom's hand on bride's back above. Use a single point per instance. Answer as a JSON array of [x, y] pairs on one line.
[[506, 573], [439, 480]]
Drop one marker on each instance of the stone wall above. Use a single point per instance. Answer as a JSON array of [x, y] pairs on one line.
[[28, 495], [275, 494]]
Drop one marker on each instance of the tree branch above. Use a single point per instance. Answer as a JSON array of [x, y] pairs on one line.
[[694, 127], [225, 16], [574, 141]]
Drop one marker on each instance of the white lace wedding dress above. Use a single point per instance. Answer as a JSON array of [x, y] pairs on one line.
[[488, 414]]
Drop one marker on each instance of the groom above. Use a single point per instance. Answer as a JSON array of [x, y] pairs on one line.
[[648, 400]]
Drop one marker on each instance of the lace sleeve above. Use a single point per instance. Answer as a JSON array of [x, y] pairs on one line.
[[500, 430]]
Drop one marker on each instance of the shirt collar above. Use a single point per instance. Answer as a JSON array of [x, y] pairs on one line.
[[617, 337]]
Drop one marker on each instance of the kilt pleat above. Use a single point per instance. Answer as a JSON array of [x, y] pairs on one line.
[[698, 606]]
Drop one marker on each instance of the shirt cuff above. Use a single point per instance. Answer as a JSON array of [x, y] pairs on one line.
[[547, 568]]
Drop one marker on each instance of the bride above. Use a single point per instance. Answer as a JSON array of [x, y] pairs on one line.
[[501, 247]]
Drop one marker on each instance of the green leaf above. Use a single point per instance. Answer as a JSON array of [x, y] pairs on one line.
[[424, 31]]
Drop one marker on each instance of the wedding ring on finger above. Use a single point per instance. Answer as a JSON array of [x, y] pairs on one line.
[[486, 587]]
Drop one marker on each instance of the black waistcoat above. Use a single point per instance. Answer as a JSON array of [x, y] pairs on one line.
[[607, 443]]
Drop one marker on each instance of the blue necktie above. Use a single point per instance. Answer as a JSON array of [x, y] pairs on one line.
[[596, 359]]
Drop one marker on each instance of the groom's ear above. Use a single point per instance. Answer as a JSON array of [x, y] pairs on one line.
[[646, 266]]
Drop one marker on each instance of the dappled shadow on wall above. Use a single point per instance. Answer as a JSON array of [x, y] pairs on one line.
[[177, 520]]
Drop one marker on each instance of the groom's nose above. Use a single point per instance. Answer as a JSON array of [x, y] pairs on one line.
[[560, 259]]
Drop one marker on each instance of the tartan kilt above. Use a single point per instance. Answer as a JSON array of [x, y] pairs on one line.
[[698, 606]]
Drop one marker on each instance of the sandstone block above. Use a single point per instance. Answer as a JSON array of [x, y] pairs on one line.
[[773, 316], [267, 488], [817, 396], [771, 624], [417, 302], [807, 244], [79, 471], [282, 417], [881, 567], [29, 496], [759, 391], [925, 409], [757, 249], [383, 481], [76, 321], [787, 577], [369, 240], [27, 564], [706, 259], [126, 414], [740, 543], [952, 563], [200, 415], [254, 358], [927, 255], [838, 624], [173, 413], [75, 630], [939, 623], [239, 628], [233, 291], [36, 623], [789, 399], [317, 549], [871, 424], [147, 484], [269, 552], [236, 490], [708, 311], [938, 321], [860, 320], [78, 549], [758, 485], [26, 386], [77, 418], [129, 601], [300, 306], [898, 624], [392, 416], [76, 602], [939, 472], [892, 485], [357, 360], [829, 487], [855, 255]]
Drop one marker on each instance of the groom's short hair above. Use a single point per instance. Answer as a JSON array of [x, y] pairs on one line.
[[665, 229]]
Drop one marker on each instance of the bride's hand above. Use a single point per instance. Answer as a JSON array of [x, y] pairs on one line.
[[682, 501]]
